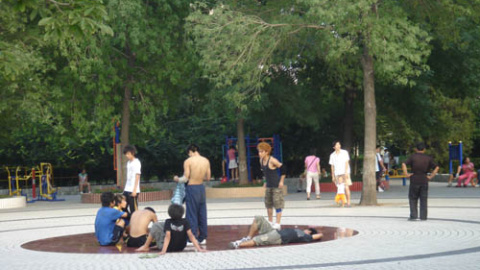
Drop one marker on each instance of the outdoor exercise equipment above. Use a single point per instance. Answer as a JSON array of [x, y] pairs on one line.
[[251, 146], [47, 191], [455, 152], [21, 174]]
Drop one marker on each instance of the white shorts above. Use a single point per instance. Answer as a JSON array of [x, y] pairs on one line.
[[232, 164]]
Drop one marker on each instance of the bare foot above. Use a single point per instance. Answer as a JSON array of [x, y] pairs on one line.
[[142, 249]]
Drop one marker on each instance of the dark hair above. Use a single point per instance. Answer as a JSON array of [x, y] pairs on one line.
[[192, 147], [465, 160], [107, 198], [420, 146], [131, 149], [232, 147], [150, 209], [312, 231], [313, 151], [119, 198], [335, 142], [175, 211], [378, 146]]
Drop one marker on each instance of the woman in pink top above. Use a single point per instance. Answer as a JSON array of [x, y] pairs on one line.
[[312, 169], [468, 173], [232, 162]]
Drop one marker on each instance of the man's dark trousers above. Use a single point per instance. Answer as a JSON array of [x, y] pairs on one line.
[[416, 192]]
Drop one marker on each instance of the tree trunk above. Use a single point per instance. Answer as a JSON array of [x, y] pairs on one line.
[[242, 153], [349, 98], [369, 193], [127, 97]]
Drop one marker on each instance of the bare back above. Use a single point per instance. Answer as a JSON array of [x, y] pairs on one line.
[[139, 222], [197, 169]]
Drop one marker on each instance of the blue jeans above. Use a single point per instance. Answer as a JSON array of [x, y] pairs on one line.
[[196, 202]]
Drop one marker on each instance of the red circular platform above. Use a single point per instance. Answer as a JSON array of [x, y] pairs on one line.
[[218, 239]]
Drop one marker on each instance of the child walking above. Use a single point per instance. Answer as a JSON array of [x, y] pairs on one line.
[[340, 197]]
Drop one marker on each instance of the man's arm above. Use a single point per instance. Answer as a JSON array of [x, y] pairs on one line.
[[166, 242], [154, 217], [137, 180], [333, 172], [317, 236], [404, 169], [209, 172], [277, 164], [186, 169], [347, 165], [432, 175], [194, 241]]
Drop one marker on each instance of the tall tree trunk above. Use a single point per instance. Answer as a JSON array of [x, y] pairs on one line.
[[349, 98], [369, 193], [242, 153], [127, 97]]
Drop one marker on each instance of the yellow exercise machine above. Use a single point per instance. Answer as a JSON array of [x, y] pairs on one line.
[[47, 191]]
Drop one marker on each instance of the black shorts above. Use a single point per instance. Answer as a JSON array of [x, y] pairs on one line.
[[117, 235], [137, 241]]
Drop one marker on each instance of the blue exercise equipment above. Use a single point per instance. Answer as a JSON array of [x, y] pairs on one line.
[[455, 152]]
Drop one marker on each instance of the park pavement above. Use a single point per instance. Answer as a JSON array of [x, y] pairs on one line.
[[450, 239]]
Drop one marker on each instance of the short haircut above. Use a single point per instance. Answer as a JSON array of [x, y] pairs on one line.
[[335, 142], [107, 198], [378, 146], [131, 149], [312, 231], [175, 211], [313, 151], [420, 146], [232, 147], [150, 209], [264, 147], [119, 198], [193, 147]]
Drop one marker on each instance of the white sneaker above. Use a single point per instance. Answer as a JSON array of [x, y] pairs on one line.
[[234, 245], [204, 242], [189, 244], [276, 226], [245, 239], [380, 189]]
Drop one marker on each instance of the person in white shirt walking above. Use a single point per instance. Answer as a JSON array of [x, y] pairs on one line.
[[339, 162], [379, 169], [132, 186]]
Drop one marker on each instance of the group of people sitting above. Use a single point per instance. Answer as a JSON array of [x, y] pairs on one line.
[[465, 175], [114, 226]]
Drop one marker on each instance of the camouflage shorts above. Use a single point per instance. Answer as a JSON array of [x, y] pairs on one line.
[[274, 198], [267, 235]]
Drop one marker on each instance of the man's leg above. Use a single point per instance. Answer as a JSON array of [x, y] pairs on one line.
[[269, 203], [146, 246], [413, 200], [192, 209], [278, 203], [202, 215], [423, 192]]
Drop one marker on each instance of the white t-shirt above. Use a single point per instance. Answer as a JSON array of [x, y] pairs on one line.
[[341, 188], [133, 168], [378, 158], [386, 157], [338, 161]]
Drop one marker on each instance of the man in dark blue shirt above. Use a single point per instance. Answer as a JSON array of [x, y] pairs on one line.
[[108, 223], [267, 235]]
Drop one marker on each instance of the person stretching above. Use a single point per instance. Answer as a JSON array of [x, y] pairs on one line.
[[267, 235]]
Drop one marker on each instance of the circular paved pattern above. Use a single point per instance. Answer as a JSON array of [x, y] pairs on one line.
[[218, 238]]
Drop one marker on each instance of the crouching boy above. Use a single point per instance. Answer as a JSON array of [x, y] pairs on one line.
[[108, 223], [172, 234]]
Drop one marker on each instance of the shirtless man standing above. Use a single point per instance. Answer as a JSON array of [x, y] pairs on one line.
[[196, 169], [139, 222]]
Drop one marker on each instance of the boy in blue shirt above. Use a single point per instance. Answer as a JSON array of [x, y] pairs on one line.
[[108, 225]]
